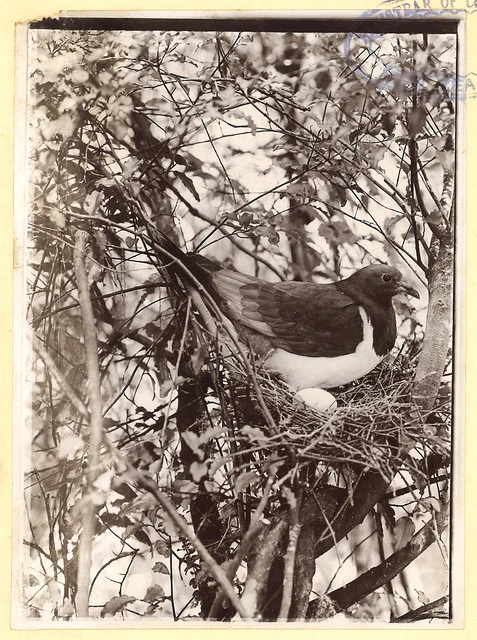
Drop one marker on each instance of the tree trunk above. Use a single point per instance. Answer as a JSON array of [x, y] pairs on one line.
[[436, 343]]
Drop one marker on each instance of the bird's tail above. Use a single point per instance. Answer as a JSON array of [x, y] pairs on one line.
[[192, 270], [195, 273]]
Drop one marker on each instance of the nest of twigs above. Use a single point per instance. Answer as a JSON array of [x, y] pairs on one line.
[[375, 426]]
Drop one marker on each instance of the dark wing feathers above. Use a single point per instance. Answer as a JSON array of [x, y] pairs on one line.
[[300, 317]]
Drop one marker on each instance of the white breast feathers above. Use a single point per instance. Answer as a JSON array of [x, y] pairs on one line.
[[302, 372]]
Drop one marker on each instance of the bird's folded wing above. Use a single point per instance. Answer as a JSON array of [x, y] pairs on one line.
[[300, 317]]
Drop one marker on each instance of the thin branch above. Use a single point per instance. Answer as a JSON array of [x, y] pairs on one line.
[[219, 227], [249, 538], [214, 569], [96, 418], [289, 560], [60, 378], [426, 611], [376, 577]]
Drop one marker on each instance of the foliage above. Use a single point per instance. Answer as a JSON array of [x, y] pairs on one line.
[[289, 156]]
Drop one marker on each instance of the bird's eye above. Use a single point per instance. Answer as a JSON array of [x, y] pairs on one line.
[[386, 277]]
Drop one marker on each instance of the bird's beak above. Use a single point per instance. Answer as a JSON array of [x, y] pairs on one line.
[[406, 288]]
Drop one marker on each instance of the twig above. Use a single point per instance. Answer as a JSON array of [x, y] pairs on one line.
[[418, 614], [249, 538], [214, 569], [219, 227], [96, 417], [376, 577]]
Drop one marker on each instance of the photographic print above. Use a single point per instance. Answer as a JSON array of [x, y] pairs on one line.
[[238, 322]]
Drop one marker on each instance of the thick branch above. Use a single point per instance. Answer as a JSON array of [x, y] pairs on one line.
[[369, 490], [316, 513], [436, 343], [289, 568], [376, 577], [255, 529], [256, 587]]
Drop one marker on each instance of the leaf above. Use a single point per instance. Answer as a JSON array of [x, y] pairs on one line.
[[119, 129], [403, 532], [323, 79], [336, 233], [446, 158], [376, 154], [187, 182], [254, 433], [103, 482], [430, 504], [154, 593], [116, 520], [421, 596], [79, 76], [184, 487], [193, 162], [417, 120], [268, 232], [209, 434], [249, 120], [162, 548], [180, 159], [198, 470], [388, 122], [245, 220], [228, 511], [169, 385], [160, 567], [57, 218], [142, 537], [123, 489], [116, 604], [69, 446], [300, 189], [63, 127], [192, 440], [153, 330], [245, 480], [130, 167], [197, 358], [271, 464], [67, 609]]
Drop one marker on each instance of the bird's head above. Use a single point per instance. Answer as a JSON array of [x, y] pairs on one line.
[[381, 282]]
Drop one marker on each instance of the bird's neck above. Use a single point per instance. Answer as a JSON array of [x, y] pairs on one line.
[[382, 316], [383, 319]]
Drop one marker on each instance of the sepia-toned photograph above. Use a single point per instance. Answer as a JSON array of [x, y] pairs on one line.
[[239, 338]]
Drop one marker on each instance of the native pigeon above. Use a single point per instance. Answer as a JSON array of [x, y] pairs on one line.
[[311, 335]]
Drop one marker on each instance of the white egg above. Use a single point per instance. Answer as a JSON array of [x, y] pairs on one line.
[[318, 399]]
